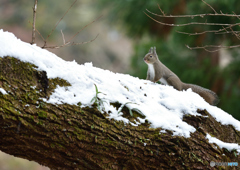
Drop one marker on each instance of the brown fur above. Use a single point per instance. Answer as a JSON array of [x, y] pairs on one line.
[[159, 72]]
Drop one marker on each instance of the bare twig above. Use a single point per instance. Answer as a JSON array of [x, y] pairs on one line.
[[210, 7], [190, 23], [207, 47], [237, 35], [86, 41], [34, 20], [63, 37], [198, 33], [226, 28], [83, 28], [212, 31], [192, 16], [161, 10], [235, 15], [70, 44], [59, 22], [228, 32], [37, 32]]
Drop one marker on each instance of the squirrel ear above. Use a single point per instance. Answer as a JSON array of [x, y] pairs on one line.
[[154, 50], [151, 50]]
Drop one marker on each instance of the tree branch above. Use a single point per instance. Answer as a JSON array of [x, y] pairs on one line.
[[37, 32], [190, 23], [58, 23], [84, 28], [63, 37], [34, 20], [66, 44], [64, 136], [208, 47], [190, 16], [210, 6], [214, 31], [226, 28]]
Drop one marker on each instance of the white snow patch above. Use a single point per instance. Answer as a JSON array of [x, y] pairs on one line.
[[33, 87], [163, 131], [162, 105], [3, 91], [221, 144]]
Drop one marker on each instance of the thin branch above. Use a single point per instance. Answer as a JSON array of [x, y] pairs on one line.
[[63, 37], [83, 28], [210, 7], [190, 23], [224, 30], [37, 31], [198, 33], [228, 32], [237, 35], [60, 21], [211, 31], [34, 20], [85, 41], [236, 15], [69, 44], [160, 10], [192, 16], [206, 47]]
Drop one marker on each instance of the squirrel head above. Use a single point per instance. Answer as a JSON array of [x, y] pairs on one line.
[[151, 57]]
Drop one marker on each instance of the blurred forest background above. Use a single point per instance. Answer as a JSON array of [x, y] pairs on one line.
[[125, 36]]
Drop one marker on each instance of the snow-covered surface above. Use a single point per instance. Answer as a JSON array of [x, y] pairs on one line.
[[3, 91], [221, 144], [162, 105]]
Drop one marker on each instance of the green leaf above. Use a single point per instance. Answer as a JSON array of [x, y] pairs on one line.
[[130, 111]]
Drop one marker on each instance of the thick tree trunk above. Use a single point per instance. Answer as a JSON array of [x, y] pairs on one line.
[[69, 137]]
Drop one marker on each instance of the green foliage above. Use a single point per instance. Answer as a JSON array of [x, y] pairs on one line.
[[130, 110], [130, 13], [96, 100], [231, 91]]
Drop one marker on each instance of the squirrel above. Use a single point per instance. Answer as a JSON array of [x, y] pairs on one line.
[[157, 71]]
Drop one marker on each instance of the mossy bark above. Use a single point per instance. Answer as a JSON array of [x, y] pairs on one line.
[[70, 137]]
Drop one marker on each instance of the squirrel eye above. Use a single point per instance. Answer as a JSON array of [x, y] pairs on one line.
[[150, 56]]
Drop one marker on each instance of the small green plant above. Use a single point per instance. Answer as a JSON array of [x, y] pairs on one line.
[[121, 107], [130, 110], [234, 152], [96, 100]]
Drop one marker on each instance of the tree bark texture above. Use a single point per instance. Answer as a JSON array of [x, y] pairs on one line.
[[70, 137]]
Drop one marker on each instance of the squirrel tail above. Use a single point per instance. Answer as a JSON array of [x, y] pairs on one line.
[[208, 95]]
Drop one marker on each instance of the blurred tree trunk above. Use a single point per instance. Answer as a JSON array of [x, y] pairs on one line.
[[69, 137]]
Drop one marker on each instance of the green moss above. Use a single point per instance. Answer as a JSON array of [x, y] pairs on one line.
[[52, 145], [42, 114], [57, 81]]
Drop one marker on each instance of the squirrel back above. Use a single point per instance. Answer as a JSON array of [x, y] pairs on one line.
[[159, 72]]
